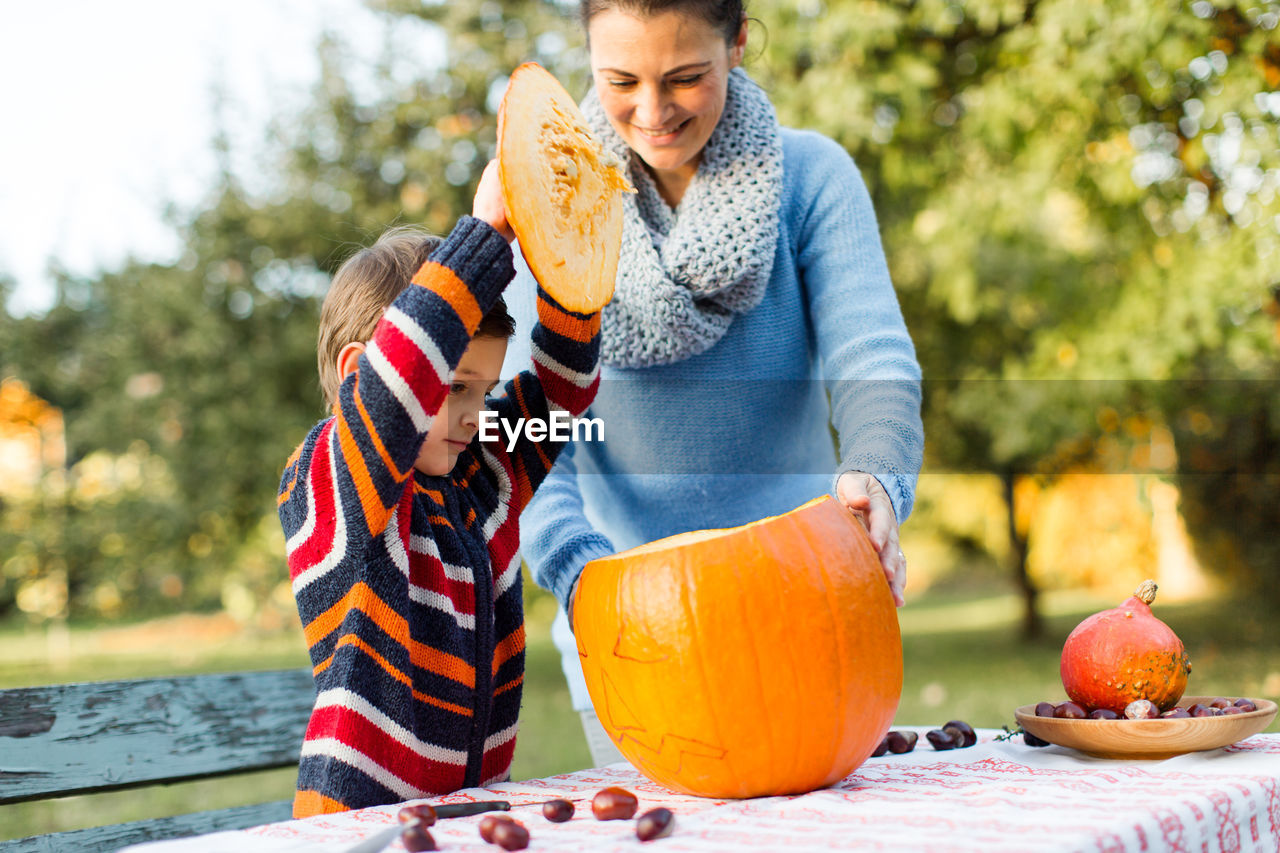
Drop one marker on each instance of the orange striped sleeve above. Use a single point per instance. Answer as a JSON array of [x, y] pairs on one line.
[[510, 646], [580, 329], [287, 491], [515, 682], [327, 622], [309, 803], [451, 289], [377, 439], [375, 513]]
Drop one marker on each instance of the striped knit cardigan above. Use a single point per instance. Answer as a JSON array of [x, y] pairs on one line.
[[408, 585]]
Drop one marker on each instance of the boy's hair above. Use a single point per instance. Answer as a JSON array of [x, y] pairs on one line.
[[363, 288]]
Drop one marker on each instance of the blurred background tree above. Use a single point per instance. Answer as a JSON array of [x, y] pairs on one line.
[[203, 373], [1079, 205], [1081, 193]]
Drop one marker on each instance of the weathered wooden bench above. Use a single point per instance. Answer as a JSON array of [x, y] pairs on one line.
[[108, 736]]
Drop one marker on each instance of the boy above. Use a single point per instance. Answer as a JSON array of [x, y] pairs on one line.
[[401, 525]]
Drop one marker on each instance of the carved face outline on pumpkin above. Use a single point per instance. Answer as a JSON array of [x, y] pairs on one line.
[[663, 80], [701, 685]]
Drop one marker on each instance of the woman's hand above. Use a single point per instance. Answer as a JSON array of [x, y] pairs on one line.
[[489, 204], [868, 501]]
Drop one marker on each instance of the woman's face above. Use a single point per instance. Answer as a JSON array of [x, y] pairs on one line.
[[662, 81]]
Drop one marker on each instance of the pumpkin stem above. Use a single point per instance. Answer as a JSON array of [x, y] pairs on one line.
[[1147, 591]]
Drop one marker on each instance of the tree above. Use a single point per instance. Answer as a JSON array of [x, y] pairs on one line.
[[209, 364], [1078, 205], [1065, 193]]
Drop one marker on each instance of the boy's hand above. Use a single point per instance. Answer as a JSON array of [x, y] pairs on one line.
[[868, 501], [489, 204]]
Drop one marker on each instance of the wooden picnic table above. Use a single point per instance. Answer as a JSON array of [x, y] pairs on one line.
[[994, 796]]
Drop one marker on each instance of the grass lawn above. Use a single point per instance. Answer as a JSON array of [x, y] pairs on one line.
[[963, 660]]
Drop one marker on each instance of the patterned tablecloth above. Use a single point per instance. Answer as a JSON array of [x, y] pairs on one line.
[[994, 796]]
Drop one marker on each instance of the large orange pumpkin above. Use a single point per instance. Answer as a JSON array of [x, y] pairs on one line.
[[563, 191], [752, 661]]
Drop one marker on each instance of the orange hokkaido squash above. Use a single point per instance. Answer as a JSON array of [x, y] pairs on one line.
[[563, 191], [1120, 655], [751, 661]]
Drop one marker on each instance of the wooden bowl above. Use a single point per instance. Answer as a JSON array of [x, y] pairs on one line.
[[1149, 739]]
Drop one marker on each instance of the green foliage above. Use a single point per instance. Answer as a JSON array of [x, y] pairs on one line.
[[1069, 192], [1065, 191], [209, 365]]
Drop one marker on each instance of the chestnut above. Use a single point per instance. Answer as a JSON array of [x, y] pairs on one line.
[[614, 804], [968, 737], [510, 835], [1141, 709], [1069, 711], [655, 823], [900, 742], [942, 740], [557, 811], [489, 823], [424, 814], [416, 838]]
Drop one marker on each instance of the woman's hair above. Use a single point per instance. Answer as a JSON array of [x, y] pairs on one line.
[[725, 15], [366, 284]]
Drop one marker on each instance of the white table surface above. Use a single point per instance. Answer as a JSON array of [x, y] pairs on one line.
[[994, 796]]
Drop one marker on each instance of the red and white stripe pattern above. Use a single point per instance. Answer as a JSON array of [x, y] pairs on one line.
[[384, 561]]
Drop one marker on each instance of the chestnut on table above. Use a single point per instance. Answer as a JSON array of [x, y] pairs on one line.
[[1005, 795]]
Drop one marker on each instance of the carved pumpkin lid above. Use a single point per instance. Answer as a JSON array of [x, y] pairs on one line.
[[563, 191]]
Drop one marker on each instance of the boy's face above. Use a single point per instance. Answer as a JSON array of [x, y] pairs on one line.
[[459, 417]]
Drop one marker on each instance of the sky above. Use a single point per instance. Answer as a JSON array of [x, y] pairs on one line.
[[107, 116]]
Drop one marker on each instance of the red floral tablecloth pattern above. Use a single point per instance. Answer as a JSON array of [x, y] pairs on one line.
[[995, 796]]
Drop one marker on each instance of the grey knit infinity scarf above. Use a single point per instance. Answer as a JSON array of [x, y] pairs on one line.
[[683, 274]]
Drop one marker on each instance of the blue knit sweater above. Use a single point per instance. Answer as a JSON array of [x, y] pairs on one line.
[[742, 431]]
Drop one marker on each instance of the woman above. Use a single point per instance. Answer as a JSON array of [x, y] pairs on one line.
[[753, 310]]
